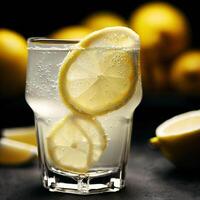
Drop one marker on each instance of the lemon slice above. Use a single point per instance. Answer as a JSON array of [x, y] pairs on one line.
[[99, 76], [15, 153], [96, 135], [22, 134], [75, 143], [179, 139]]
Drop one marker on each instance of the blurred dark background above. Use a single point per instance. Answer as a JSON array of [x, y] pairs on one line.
[[41, 18]]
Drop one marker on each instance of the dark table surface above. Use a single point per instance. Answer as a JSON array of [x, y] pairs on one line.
[[149, 175]]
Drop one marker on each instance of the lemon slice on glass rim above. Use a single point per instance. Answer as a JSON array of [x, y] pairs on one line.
[[98, 76], [75, 143]]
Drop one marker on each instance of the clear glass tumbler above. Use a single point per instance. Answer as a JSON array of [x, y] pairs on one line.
[[90, 154]]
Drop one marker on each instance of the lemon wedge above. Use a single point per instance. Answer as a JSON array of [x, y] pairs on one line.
[[15, 153], [75, 143], [99, 76], [22, 134], [179, 139]]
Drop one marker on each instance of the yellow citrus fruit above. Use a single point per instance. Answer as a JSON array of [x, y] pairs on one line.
[[154, 77], [185, 72], [162, 27], [100, 20], [22, 134], [76, 143], [179, 139], [13, 59], [71, 32], [15, 153], [99, 76]]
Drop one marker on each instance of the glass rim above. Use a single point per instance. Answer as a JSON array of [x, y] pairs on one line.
[[69, 44], [44, 40]]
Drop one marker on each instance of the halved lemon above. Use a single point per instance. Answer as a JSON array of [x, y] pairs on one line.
[[22, 134], [179, 139], [99, 75], [15, 153], [75, 143]]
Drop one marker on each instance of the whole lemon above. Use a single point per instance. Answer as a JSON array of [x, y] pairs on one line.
[[103, 19], [162, 27], [13, 60], [71, 32], [185, 72]]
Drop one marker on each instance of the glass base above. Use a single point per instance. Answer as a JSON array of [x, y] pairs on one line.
[[110, 181]]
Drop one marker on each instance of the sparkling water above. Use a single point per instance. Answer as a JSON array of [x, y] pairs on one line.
[[43, 97]]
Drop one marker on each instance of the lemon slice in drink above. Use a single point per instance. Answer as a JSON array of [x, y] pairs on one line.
[[96, 135], [179, 139], [99, 76], [75, 143], [21, 134], [15, 153]]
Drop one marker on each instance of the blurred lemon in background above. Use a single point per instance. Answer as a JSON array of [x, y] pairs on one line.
[[154, 77], [71, 32], [13, 60], [179, 139], [21, 134], [15, 153], [103, 19], [162, 28], [185, 72], [18, 145]]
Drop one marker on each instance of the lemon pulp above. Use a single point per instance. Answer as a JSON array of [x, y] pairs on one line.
[[75, 143], [178, 139]]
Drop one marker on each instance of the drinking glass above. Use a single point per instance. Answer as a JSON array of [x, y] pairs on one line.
[[107, 174]]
